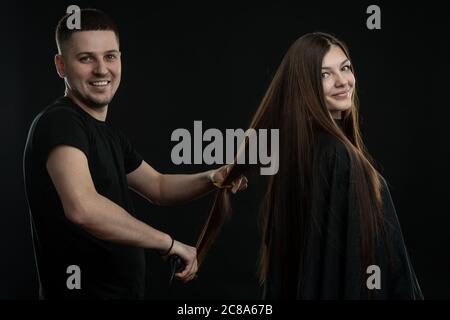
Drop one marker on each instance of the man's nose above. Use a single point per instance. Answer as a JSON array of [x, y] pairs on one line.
[[100, 68]]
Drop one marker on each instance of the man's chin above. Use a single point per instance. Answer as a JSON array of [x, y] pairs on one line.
[[98, 103]]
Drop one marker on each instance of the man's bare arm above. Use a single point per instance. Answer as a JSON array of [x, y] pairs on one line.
[[85, 207], [168, 189]]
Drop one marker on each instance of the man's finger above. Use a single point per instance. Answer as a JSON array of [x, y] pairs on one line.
[[188, 277], [237, 185], [244, 183], [192, 277], [185, 271]]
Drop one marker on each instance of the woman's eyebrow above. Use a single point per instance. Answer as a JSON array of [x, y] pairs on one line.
[[343, 62]]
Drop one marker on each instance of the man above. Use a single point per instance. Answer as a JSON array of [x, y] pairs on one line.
[[77, 172]]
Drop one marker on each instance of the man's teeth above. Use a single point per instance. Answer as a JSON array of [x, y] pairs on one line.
[[99, 83]]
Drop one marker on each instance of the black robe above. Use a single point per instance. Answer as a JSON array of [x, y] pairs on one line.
[[332, 259]]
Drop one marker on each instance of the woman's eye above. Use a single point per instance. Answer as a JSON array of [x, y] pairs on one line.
[[346, 68], [325, 75]]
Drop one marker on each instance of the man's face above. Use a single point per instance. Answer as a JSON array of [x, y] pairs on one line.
[[92, 67]]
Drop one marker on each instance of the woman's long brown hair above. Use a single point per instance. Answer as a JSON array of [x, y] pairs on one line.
[[294, 104]]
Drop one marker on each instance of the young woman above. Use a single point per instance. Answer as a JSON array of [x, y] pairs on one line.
[[330, 230]]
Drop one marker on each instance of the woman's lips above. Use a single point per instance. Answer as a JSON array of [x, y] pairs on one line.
[[342, 95]]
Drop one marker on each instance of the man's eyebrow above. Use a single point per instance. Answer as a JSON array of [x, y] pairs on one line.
[[84, 52], [92, 53], [343, 62]]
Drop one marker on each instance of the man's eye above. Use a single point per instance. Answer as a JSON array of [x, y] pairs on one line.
[[110, 57], [85, 59]]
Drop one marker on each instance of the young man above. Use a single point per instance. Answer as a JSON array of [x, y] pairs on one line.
[[78, 170]]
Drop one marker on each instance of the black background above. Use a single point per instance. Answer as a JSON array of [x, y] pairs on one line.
[[213, 62]]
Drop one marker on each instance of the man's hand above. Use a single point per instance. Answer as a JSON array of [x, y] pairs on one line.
[[189, 256], [218, 176]]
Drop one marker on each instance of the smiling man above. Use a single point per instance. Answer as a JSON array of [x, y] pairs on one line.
[[78, 171]]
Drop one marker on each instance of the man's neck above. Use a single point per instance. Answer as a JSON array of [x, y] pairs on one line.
[[97, 113]]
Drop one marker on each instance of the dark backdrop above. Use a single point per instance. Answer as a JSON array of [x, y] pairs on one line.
[[213, 63]]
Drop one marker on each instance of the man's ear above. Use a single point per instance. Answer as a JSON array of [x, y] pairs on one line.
[[59, 64]]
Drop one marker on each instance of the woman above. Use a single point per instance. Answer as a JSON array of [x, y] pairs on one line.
[[330, 230]]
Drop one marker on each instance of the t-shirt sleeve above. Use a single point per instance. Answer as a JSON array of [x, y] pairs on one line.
[[60, 127], [131, 158]]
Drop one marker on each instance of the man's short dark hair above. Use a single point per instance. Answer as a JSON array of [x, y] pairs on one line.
[[91, 20]]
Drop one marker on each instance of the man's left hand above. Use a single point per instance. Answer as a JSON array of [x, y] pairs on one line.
[[218, 176]]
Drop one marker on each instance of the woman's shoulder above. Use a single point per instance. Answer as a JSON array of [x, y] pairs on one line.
[[328, 145], [330, 156]]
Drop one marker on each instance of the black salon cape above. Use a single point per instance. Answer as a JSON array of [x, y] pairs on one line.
[[332, 260]]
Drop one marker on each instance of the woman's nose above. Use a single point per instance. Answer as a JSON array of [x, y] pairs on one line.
[[340, 80]]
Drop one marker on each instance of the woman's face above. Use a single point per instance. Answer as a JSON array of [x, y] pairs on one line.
[[337, 81]]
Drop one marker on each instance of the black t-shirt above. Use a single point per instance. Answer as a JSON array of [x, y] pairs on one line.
[[108, 270]]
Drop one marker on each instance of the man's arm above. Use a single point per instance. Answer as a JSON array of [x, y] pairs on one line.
[[83, 206], [168, 189]]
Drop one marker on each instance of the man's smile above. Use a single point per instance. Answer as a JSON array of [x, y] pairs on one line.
[[100, 83]]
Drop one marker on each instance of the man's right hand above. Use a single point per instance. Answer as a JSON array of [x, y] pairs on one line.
[[189, 256]]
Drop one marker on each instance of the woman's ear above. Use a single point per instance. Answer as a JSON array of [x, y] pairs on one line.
[[59, 64]]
